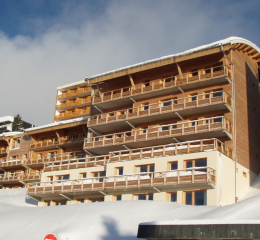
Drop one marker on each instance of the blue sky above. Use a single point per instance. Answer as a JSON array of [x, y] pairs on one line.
[[48, 43]]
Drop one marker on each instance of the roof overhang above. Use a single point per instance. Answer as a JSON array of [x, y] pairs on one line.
[[57, 125], [229, 43]]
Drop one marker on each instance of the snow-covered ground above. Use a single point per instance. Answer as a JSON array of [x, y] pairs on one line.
[[108, 220]]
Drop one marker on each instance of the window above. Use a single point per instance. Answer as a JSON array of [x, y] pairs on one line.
[[193, 97], [218, 67], [217, 120], [172, 197], [99, 175], [16, 143], [144, 168], [52, 154], [92, 200], [144, 130], [63, 177], [196, 163], [165, 128], [167, 102], [81, 200], [14, 157], [145, 106], [117, 197], [82, 175], [119, 171], [47, 203], [60, 202], [148, 196], [50, 178], [217, 94], [172, 165], [194, 72], [195, 198]]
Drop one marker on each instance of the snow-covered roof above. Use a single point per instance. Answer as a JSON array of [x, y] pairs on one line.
[[6, 118], [230, 40], [8, 134], [66, 86], [56, 124]]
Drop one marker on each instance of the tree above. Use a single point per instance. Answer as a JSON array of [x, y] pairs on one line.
[[18, 124]]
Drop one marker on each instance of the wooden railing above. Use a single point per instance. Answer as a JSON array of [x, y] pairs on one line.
[[20, 177], [169, 82], [171, 149], [77, 163], [196, 175], [163, 131], [206, 99], [72, 104], [71, 93], [54, 158], [3, 150], [70, 114], [12, 162], [62, 140]]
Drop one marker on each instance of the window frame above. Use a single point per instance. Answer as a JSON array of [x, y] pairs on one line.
[[193, 197]]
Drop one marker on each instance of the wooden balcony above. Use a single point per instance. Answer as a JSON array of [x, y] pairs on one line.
[[71, 114], [184, 131], [71, 140], [190, 80], [19, 177], [11, 163], [40, 161], [197, 104], [73, 93], [76, 163], [78, 103], [171, 149], [3, 151], [200, 176]]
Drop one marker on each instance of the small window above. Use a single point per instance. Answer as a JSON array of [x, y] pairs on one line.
[[145, 106], [81, 200], [196, 198], [217, 94], [63, 177], [60, 202], [217, 120], [194, 72], [197, 163], [172, 197], [16, 143], [117, 197], [83, 175], [173, 166], [99, 176], [165, 128], [119, 171], [50, 178], [147, 83], [92, 200], [143, 196], [193, 97], [144, 168], [47, 203]]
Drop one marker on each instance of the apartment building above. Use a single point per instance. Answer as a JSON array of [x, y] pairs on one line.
[[182, 128]]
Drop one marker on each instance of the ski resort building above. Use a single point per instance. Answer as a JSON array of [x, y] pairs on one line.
[[182, 128]]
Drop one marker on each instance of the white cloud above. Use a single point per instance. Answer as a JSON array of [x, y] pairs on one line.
[[127, 32]]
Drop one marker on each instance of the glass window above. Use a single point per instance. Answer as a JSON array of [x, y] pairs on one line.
[[217, 94], [119, 171], [173, 197], [196, 198], [117, 197], [173, 165], [188, 198]]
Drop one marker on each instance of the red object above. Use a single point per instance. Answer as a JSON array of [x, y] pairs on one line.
[[50, 237]]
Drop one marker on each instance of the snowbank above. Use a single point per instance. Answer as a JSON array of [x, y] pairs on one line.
[[109, 220]]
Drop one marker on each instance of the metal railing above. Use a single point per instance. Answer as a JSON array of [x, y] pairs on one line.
[[171, 149], [206, 99], [169, 82], [195, 175], [62, 140], [163, 131]]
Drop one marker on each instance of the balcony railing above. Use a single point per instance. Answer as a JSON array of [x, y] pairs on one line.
[[173, 105], [163, 131], [71, 93], [77, 163], [171, 178], [72, 104], [12, 162], [60, 141], [74, 114], [54, 158], [171, 149], [20, 177], [160, 84], [3, 150]]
